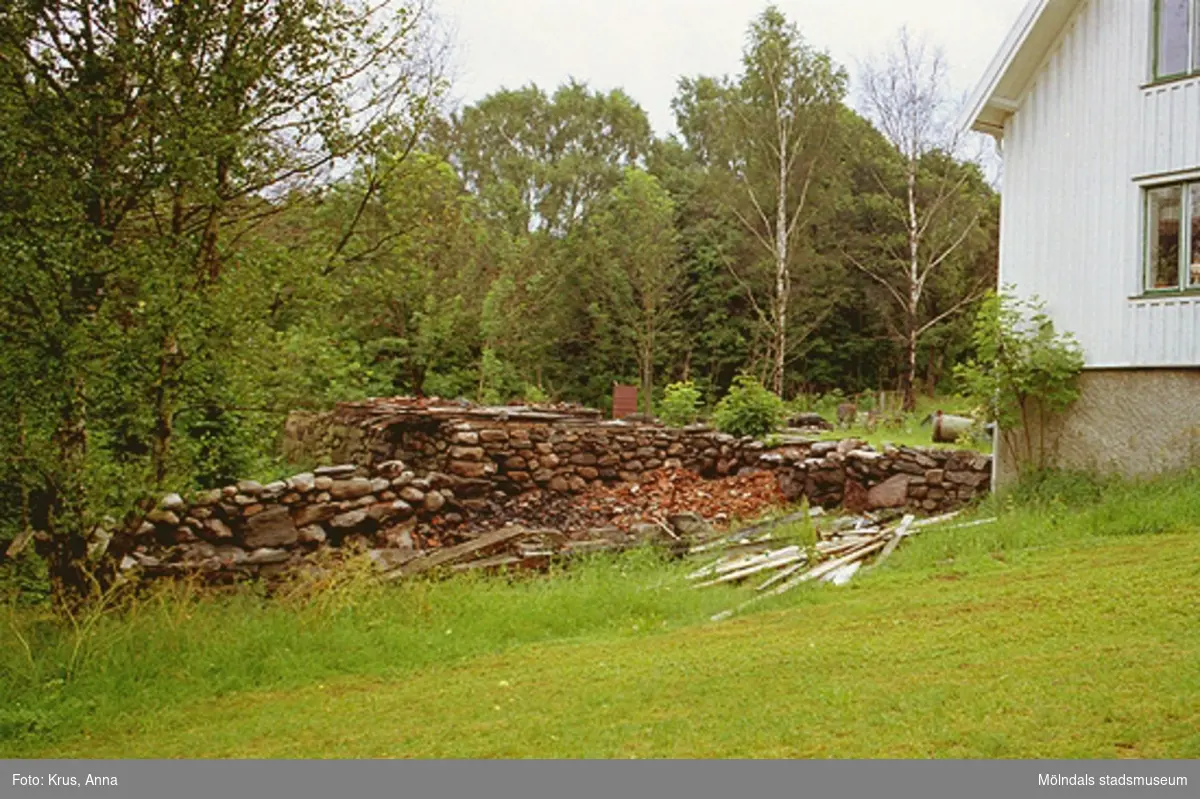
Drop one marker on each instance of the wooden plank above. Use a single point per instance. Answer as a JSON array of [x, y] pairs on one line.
[[841, 566], [844, 545], [783, 575], [976, 523], [667, 528], [733, 539], [762, 542], [753, 570], [932, 520], [825, 568], [706, 569], [803, 578], [749, 560], [458, 553], [902, 532], [844, 574]]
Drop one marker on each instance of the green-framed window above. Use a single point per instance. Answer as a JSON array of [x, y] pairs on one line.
[[1176, 38], [1172, 253]]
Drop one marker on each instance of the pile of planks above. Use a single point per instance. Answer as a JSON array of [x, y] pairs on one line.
[[510, 548], [834, 559]]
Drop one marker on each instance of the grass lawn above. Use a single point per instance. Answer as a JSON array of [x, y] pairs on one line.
[[1070, 629], [912, 433]]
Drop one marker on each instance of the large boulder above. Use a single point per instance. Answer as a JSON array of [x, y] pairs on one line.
[[810, 420], [855, 498], [891, 493]]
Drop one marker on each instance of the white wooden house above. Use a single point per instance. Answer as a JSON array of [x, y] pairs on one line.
[[1096, 107]]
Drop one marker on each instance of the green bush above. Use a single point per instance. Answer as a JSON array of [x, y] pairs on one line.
[[680, 404], [749, 409], [1024, 375], [534, 395]]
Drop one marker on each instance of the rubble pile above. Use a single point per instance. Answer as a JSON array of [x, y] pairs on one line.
[[423, 475], [664, 493]]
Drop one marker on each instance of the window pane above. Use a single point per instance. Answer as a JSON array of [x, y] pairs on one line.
[[1164, 211], [1173, 35], [1194, 261]]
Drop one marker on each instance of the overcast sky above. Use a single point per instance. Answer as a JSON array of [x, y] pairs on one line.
[[644, 46]]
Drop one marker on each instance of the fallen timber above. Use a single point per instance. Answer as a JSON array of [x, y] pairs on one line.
[[841, 552], [841, 557]]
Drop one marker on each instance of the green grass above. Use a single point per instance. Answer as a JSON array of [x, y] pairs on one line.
[[911, 433], [1067, 629]]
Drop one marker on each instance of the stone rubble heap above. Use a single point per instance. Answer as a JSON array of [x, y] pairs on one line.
[[566, 450], [426, 479]]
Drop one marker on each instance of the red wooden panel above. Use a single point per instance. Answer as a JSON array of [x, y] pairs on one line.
[[625, 401]]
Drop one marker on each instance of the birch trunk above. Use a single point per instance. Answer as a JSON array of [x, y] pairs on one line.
[[913, 311], [782, 277]]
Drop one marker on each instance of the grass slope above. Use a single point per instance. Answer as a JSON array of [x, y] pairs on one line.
[[1069, 629]]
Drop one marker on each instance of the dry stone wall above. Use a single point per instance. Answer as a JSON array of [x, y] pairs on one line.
[[418, 475], [566, 449]]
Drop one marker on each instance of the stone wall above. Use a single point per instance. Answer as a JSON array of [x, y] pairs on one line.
[[250, 528], [564, 450], [422, 476]]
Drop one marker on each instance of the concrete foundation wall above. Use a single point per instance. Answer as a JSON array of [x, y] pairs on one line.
[[1132, 422]]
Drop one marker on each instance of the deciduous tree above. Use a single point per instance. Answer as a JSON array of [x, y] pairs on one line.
[[770, 130], [937, 206], [633, 245]]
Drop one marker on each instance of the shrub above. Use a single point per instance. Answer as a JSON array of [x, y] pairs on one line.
[[534, 395], [748, 409], [1026, 373], [680, 404]]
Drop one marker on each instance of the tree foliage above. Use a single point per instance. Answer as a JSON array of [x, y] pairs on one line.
[[144, 141], [768, 139], [215, 212], [632, 249], [929, 221]]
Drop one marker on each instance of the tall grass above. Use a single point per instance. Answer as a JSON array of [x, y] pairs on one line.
[[1060, 508], [178, 644]]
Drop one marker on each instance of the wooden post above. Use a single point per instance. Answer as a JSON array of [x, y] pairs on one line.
[[625, 401]]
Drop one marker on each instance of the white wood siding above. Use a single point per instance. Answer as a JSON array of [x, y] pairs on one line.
[[1071, 219]]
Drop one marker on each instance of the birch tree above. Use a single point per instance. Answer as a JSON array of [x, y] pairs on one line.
[[771, 130], [937, 203]]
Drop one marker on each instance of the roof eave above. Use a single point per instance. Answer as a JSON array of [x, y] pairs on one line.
[[1023, 51]]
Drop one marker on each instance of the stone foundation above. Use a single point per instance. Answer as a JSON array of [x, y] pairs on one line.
[[420, 476], [1130, 422], [565, 449]]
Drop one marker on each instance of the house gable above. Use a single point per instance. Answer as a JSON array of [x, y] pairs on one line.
[[1022, 54]]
